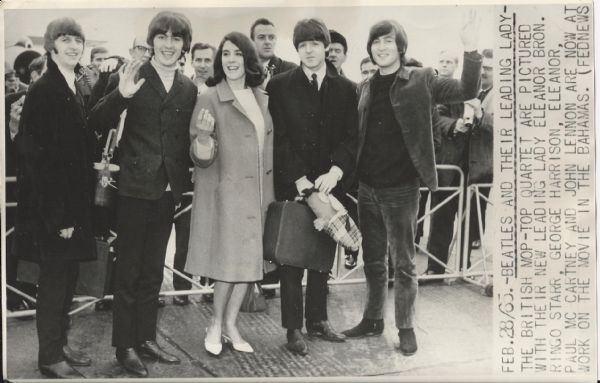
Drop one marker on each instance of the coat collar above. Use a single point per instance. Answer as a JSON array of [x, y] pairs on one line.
[[225, 94]]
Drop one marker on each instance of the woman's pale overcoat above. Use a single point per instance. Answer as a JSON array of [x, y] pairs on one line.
[[227, 212]]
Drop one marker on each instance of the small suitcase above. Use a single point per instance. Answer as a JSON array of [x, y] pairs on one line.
[[290, 238]]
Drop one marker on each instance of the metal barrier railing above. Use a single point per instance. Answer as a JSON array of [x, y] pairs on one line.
[[452, 271], [481, 278]]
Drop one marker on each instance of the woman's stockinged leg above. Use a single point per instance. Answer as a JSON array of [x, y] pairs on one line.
[[233, 308], [222, 293]]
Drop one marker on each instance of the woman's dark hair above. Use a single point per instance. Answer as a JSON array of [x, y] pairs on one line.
[[385, 27], [177, 23], [254, 71]]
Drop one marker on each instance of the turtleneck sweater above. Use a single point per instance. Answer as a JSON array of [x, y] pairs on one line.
[[166, 73]]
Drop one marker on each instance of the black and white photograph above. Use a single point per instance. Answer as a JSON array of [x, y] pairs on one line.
[[301, 191]]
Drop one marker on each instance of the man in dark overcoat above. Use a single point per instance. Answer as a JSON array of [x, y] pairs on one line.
[[315, 121], [153, 154], [55, 192]]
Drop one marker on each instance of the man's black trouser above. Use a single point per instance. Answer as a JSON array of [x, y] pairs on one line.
[[143, 227], [291, 296], [57, 282]]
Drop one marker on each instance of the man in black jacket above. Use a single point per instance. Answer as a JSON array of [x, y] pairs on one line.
[[262, 32], [314, 113], [153, 154]]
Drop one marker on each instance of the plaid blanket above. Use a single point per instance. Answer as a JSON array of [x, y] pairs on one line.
[[342, 229]]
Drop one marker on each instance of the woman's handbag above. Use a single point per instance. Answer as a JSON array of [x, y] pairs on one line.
[[106, 188], [290, 238], [254, 300]]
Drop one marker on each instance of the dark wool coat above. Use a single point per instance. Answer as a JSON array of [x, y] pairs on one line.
[[414, 94], [308, 143], [154, 146], [55, 174]]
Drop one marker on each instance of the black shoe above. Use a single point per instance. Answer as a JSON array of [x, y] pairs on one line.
[[324, 330], [269, 293], [181, 300], [161, 302], [129, 359], [103, 305], [408, 341], [296, 344], [60, 370], [152, 349], [76, 358], [366, 327], [208, 298]]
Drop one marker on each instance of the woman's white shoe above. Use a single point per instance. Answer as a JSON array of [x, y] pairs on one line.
[[241, 347], [213, 349]]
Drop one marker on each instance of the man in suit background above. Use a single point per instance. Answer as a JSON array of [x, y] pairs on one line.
[[203, 58], [338, 50], [264, 36], [153, 154], [315, 121]]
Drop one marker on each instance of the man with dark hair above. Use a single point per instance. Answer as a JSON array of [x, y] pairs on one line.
[[154, 160], [263, 34], [203, 58], [55, 178], [97, 57], [315, 121], [367, 68], [338, 50], [395, 154]]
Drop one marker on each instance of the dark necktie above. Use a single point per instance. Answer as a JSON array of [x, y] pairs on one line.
[[314, 84], [482, 94]]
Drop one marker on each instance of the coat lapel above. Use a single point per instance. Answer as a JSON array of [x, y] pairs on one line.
[[226, 94]]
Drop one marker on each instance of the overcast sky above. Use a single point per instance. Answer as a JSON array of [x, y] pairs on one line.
[[430, 29]]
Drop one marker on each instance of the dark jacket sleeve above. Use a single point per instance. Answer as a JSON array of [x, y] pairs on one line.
[[450, 91], [290, 164], [105, 113], [344, 155]]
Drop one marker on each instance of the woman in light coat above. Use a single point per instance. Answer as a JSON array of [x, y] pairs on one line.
[[232, 147]]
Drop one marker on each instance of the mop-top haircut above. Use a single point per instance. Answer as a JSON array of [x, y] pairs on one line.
[[385, 27], [177, 23], [61, 27], [311, 30]]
